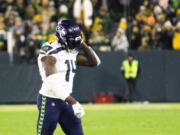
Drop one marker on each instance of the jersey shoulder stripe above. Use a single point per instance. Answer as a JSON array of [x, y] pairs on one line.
[[46, 47], [56, 50], [50, 48]]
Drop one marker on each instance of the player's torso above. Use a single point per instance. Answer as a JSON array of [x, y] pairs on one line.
[[65, 65]]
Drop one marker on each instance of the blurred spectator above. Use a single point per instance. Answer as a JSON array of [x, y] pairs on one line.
[[166, 36], [144, 44], [33, 41], [3, 37], [171, 12], [163, 3], [134, 35], [158, 14], [151, 20], [176, 3], [101, 29], [19, 7], [4, 5], [123, 24], [176, 38], [83, 9], [103, 18], [62, 14], [51, 11], [177, 15], [119, 41], [9, 16], [142, 14], [146, 38], [156, 35], [44, 3], [18, 31], [29, 12], [96, 5], [98, 36], [148, 24]]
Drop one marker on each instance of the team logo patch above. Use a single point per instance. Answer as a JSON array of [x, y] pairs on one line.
[[46, 48], [53, 104], [61, 31]]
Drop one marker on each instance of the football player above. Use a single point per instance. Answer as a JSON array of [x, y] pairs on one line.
[[57, 64]]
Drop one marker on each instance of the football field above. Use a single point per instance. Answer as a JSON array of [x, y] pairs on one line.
[[101, 119]]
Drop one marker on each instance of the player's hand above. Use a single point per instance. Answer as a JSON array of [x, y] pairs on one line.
[[78, 110], [77, 41]]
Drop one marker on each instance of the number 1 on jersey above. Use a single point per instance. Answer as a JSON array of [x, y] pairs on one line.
[[70, 67]]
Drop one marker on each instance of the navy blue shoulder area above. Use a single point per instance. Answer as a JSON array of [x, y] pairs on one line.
[[48, 48], [45, 49], [55, 51]]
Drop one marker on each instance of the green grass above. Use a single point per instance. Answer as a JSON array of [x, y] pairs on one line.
[[101, 119]]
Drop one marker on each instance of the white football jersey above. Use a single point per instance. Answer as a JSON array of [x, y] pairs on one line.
[[65, 67]]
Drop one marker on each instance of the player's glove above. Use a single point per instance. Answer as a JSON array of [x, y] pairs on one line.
[[78, 110]]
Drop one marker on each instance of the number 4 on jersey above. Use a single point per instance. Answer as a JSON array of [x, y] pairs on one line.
[[70, 68]]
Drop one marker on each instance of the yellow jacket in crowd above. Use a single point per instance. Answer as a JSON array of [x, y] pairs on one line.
[[176, 41]]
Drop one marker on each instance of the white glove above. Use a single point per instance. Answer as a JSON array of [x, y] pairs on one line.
[[78, 110]]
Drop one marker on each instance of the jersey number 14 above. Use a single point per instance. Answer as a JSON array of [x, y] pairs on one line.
[[71, 67]]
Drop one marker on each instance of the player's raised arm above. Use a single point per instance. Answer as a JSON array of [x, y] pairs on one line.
[[88, 57]]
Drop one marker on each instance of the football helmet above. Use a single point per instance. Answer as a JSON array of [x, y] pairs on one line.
[[69, 34]]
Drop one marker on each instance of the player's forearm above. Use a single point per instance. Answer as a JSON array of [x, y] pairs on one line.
[[77, 107], [71, 100], [91, 55]]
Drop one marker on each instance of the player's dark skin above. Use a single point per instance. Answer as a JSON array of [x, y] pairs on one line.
[[87, 58]]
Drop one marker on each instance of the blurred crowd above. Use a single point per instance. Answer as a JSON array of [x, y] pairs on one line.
[[156, 25], [107, 25]]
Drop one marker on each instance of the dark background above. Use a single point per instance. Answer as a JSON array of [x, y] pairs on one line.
[[158, 81]]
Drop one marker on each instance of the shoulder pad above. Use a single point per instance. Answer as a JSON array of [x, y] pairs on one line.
[[46, 47], [50, 48]]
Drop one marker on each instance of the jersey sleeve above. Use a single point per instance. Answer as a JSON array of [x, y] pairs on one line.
[[46, 48]]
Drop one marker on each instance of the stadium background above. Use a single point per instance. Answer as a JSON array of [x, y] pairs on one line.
[[150, 29], [158, 80]]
